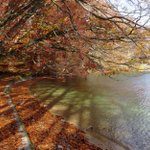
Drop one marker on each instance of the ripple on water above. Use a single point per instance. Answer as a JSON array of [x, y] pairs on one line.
[[118, 109]]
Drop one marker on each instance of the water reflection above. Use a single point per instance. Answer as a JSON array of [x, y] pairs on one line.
[[117, 108]]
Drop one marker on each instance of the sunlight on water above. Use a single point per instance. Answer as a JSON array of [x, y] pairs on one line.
[[117, 109]]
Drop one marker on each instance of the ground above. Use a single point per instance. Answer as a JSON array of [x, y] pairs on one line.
[[45, 130]]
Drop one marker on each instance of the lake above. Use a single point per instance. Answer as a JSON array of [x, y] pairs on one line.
[[114, 111]]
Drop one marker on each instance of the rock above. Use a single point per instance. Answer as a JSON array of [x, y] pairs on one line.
[[59, 147], [63, 120], [90, 128], [22, 103]]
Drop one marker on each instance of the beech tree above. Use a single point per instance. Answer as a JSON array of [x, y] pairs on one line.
[[63, 37]]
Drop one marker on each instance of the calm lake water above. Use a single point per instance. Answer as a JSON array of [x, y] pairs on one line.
[[115, 111]]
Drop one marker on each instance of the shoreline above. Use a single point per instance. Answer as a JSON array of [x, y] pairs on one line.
[[45, 130]]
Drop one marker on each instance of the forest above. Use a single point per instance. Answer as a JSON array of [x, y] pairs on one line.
[[62, 59]]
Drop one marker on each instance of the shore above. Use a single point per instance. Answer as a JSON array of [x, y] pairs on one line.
[[44, 130]]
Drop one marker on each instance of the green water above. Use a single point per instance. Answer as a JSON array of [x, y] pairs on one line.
[[115, 110]]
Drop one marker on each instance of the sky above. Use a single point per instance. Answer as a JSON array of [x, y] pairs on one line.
[[135, 9]]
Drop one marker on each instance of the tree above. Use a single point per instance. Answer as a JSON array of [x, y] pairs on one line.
[[58, 36]]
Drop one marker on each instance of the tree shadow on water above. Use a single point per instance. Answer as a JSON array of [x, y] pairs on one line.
[[81, 109], [69, 102]]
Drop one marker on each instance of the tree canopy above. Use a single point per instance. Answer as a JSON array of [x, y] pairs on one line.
[[63, 37]]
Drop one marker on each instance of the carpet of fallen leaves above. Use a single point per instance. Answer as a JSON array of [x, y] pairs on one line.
[[10, 138], [45, 130]]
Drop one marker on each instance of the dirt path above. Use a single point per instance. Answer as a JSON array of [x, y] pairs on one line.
[[45, 130]]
